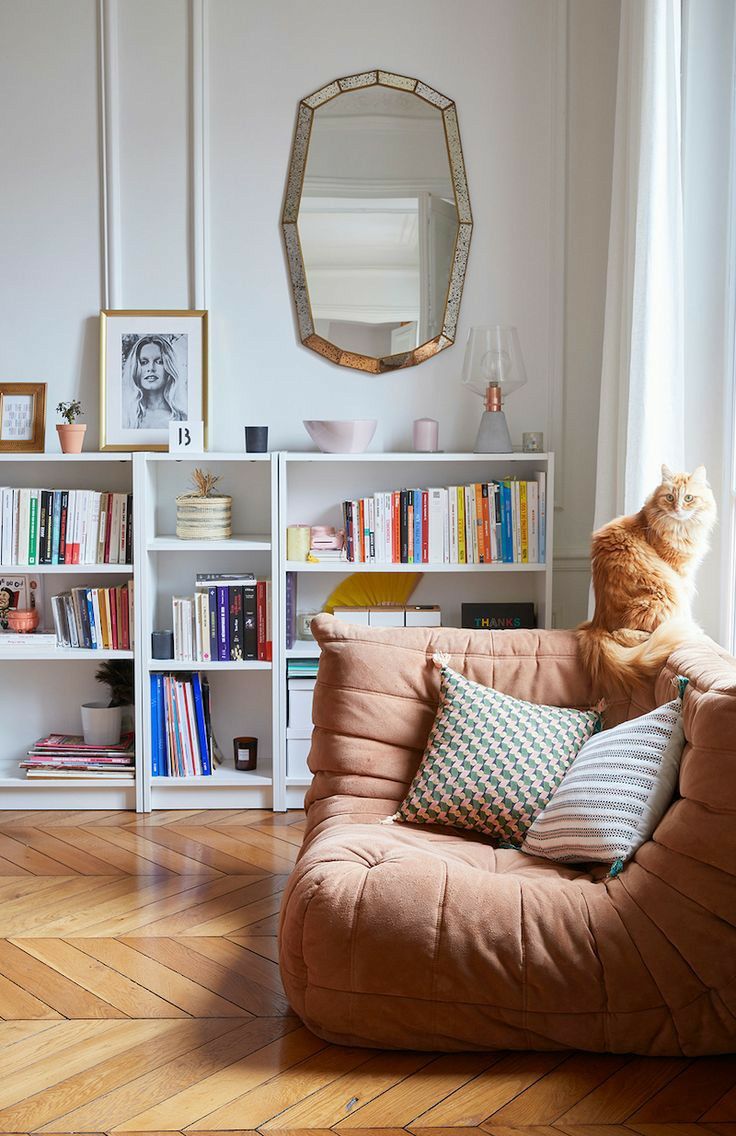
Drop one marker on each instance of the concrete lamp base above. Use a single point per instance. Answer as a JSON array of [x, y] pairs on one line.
[[493, 434]]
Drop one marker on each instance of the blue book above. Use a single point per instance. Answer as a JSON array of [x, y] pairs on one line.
[[93, 630], [417, 525], [507, 530], [155, 734], [204, 748], [56, 527], [223, 624]]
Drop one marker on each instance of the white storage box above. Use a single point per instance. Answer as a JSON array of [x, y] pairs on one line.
[[297, 751], [300, 693], [418, 616], [386, 617], [357, 615]]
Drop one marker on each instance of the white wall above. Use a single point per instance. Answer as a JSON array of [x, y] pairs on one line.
[[503, 61]]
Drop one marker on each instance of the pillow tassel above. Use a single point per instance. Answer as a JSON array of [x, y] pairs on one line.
[[617, 868], [441, 659], [681, 684]]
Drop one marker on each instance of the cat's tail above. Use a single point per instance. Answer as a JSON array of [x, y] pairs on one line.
[[613, 666]]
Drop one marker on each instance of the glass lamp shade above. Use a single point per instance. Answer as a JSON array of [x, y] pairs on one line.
[[493, 356]]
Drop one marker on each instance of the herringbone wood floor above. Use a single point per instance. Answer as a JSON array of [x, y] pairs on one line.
[[139, 992]]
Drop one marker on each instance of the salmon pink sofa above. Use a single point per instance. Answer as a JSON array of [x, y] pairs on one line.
[[425, 938]]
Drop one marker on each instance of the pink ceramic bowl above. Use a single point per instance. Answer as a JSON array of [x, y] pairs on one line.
[[347, 436]]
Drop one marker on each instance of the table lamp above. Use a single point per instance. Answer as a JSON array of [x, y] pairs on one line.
[[493, 367]]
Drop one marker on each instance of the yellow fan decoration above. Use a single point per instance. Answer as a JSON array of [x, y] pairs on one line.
[[373, 589]]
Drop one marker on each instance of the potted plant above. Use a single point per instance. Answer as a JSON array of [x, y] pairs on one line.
[[71, 433], [102, 722]]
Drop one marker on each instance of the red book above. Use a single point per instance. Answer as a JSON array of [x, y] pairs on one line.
[[261, 618], [111, 598], [425, 526], [361, 527], [395, 528]]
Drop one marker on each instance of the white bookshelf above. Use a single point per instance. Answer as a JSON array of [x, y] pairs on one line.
[[270, 492], [42, 688], [312, 487], [242, 693]]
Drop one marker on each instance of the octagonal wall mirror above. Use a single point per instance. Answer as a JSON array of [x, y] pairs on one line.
[[377, 221]]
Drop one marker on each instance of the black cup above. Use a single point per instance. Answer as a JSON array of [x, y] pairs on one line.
[[256, 439], [162, 644]]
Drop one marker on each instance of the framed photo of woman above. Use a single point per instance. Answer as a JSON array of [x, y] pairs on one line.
[[153, 371]]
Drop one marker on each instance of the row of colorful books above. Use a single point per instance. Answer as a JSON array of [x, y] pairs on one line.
[[65, 526], [95, 618], [181, 726], [227, 619], [67, 756], [502, 521]]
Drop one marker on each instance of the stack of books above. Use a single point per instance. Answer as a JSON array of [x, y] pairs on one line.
[[65, 526], [181, 726], [228, 619], [95, 618], [486, 522], [66, 755]]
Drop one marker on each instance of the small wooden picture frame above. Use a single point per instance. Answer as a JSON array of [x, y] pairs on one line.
[[22, 418]]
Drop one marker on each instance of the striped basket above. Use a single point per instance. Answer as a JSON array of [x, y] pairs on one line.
[[204, 518]]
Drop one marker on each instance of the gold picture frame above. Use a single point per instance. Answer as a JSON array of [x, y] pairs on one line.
[[135, 407], [22, 418]]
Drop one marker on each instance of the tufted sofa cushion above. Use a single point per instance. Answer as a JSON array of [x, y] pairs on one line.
[[415, 937]]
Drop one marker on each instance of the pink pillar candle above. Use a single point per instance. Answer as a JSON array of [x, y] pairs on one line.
[[426, 435]]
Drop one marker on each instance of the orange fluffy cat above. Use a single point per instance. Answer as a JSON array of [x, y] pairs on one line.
[[643, 580]]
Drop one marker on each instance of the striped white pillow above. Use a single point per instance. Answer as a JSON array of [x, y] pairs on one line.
[[615, 792]]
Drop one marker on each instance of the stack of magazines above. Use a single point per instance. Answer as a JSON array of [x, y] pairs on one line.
[[66, 755]]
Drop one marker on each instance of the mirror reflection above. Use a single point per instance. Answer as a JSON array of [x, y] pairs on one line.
[[377, 221]]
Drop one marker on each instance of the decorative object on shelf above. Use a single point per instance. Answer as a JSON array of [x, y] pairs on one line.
[[19, 592], [245, 753], [493, 367], [304, 625], [23, 619], [498, 616], [532, 442], [71, 433], [373, 589], [298, 539], [346, 436], [186, 437], [256, 439], [119, 676], [426, 435], [69, 756], [153, 371], [204, 514], [349, 308], [102, 724], [22, 418], [162, 644], [326, 538]]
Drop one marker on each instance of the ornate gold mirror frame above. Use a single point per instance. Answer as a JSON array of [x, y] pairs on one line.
[[297, 166]]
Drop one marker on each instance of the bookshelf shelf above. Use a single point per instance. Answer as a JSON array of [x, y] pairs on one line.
[[59, 654], [346, 568], [67, 569], [219, 779], [172, 543], [214, 665]]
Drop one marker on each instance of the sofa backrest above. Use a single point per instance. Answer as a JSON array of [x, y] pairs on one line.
[[377, 694]]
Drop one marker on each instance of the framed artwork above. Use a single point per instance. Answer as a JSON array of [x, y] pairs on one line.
[[153, 371], [22, 418]]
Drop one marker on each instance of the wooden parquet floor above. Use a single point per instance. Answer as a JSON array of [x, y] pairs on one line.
[[139, 992]]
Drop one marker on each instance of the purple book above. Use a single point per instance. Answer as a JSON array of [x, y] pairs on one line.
[[223, 625], [290, 609]]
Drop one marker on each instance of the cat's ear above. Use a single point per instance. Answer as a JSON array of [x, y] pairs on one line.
[[667, 474], [699, 474]]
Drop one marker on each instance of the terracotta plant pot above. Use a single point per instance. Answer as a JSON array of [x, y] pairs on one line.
[[71, 437], [23, 619]]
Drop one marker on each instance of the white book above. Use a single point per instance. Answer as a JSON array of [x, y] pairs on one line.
[[492, 493], [93, 528], [71, 510], [387, 527], [193, 736], [436, 521], [445, 527], [452, 492], [82, 520], [378, 531], [100, 550], [176, 621], [115, 529], [16, 524], [24, 518], [532, 509], [187, 615], [98, 639], [7, 541]]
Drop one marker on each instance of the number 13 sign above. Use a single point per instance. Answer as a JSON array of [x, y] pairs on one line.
[[186, 437]]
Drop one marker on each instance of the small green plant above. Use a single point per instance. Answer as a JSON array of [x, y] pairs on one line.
[[118, 675], [69, 411]]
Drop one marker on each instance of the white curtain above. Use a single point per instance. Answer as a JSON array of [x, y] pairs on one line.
[[642, 382]]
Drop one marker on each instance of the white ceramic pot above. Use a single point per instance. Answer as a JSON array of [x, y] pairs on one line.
[[101, 724]]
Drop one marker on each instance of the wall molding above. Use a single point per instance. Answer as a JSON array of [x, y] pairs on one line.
[[109, 101], [199, 287], [558, 241], [575, 561]]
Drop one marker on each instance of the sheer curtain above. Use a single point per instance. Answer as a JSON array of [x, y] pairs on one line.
[[642, 403]]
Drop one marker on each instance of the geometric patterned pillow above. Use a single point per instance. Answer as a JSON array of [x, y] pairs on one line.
[[615, 793], [492, 762]]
